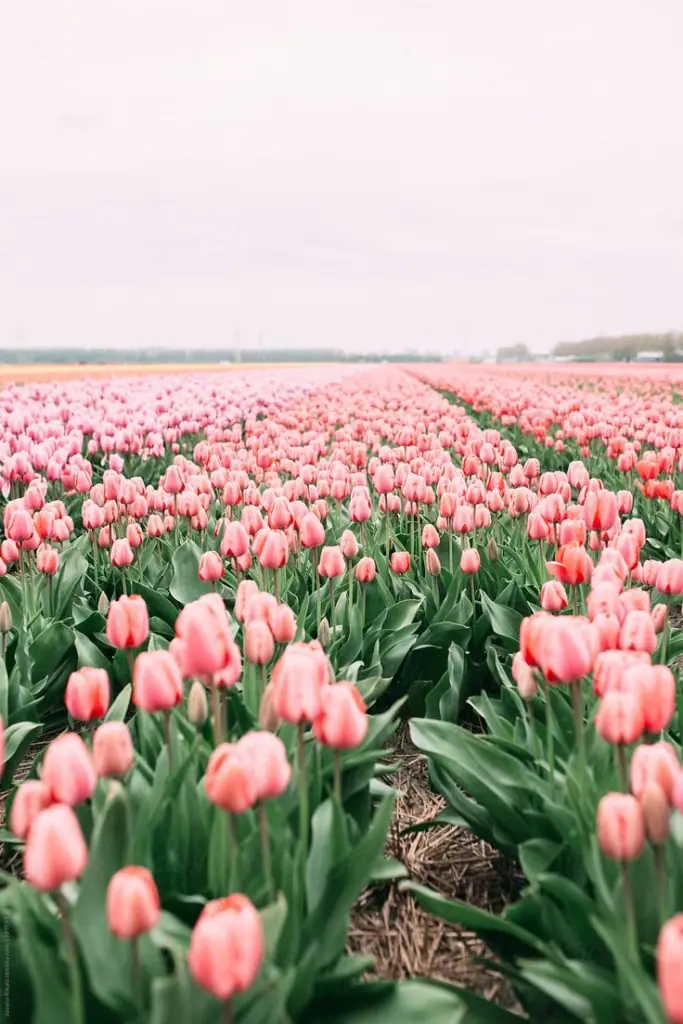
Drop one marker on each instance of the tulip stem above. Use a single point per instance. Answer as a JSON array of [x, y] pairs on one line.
[[665, 632], [232, 882], [577, 705], [474, 596], [78, 1016], [218, 734], [630, 914], [303, 797], [333, 610], [350, 572], [131, 662], [169, 738], [336, 763], [228, 1012], [265, 850], [623, 770], [549, 737], [575, 603], [388, 536], [276, 588], [658, 853], [137, 975], [314, 552]]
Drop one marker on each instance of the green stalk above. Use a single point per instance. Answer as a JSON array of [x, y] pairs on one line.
[[577, 706], [549, 737], [303, 798], [265, 850], [72, 956]]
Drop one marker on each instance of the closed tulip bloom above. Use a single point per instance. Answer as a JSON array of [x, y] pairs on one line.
[[47, 560], [121, 553], [282, 622], [432, 562], [530, 636], [600, 510], [633, 600], [235, 539], [608, 628], [68, 771], [87, 694], [620, 717], [620, 827], [348, 544], [611, 666], [133, 906], [553, 596], [112, 750], [210, 567], [624, 502], [660, 614], [656, 686], [157, 681], [55, 849], [311, 531], [155, 527], [270, 770], [602, 600], [537, 528], [366, 570], [197, 705], [656, 813], [30, 798], [275, 550], [230, 781], [204, 625], [127, 622], [470, 562], [298, 678], [430, 538], [246, 589], [656, 762], [19, 525], [670, 577], [341, 722], [523, 675], [638, 633], [259, 644], [568, 647], [331, 563], [572, 566], [226, 948], [669, 973], [400, 562]]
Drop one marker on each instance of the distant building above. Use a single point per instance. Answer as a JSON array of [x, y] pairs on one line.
[[648, 357]]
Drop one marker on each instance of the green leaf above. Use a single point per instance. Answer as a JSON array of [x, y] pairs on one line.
[[480, 921], [119, 707], [107, 959], [343, 885], [403, 1002], [186, 585], [53, 1002], [89, 654], [401, 614], [329, 845], [536, 856], [451, 702], [4, 693], [72, 571], [158, 606], [504, 621], [49, 649], [17, 740]]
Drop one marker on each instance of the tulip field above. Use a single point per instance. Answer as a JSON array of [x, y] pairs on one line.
[[234, 605]]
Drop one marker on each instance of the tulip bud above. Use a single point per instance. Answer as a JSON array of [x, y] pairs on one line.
[[324, 632], [493, 552], [197, 705], [432, 563], [5, 617], [656, 813], [102, 605]]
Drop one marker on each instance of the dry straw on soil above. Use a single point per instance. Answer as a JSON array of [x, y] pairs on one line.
[[390, 926]]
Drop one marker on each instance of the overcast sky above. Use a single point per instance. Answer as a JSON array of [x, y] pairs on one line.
[[445, 174]]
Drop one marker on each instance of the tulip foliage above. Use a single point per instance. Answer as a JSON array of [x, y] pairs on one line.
[[218, 597]]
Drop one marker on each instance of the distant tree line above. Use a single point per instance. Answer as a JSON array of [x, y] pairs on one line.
[[624, 347], [205, 355]]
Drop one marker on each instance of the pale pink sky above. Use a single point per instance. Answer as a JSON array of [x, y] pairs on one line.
[[447, 174]]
